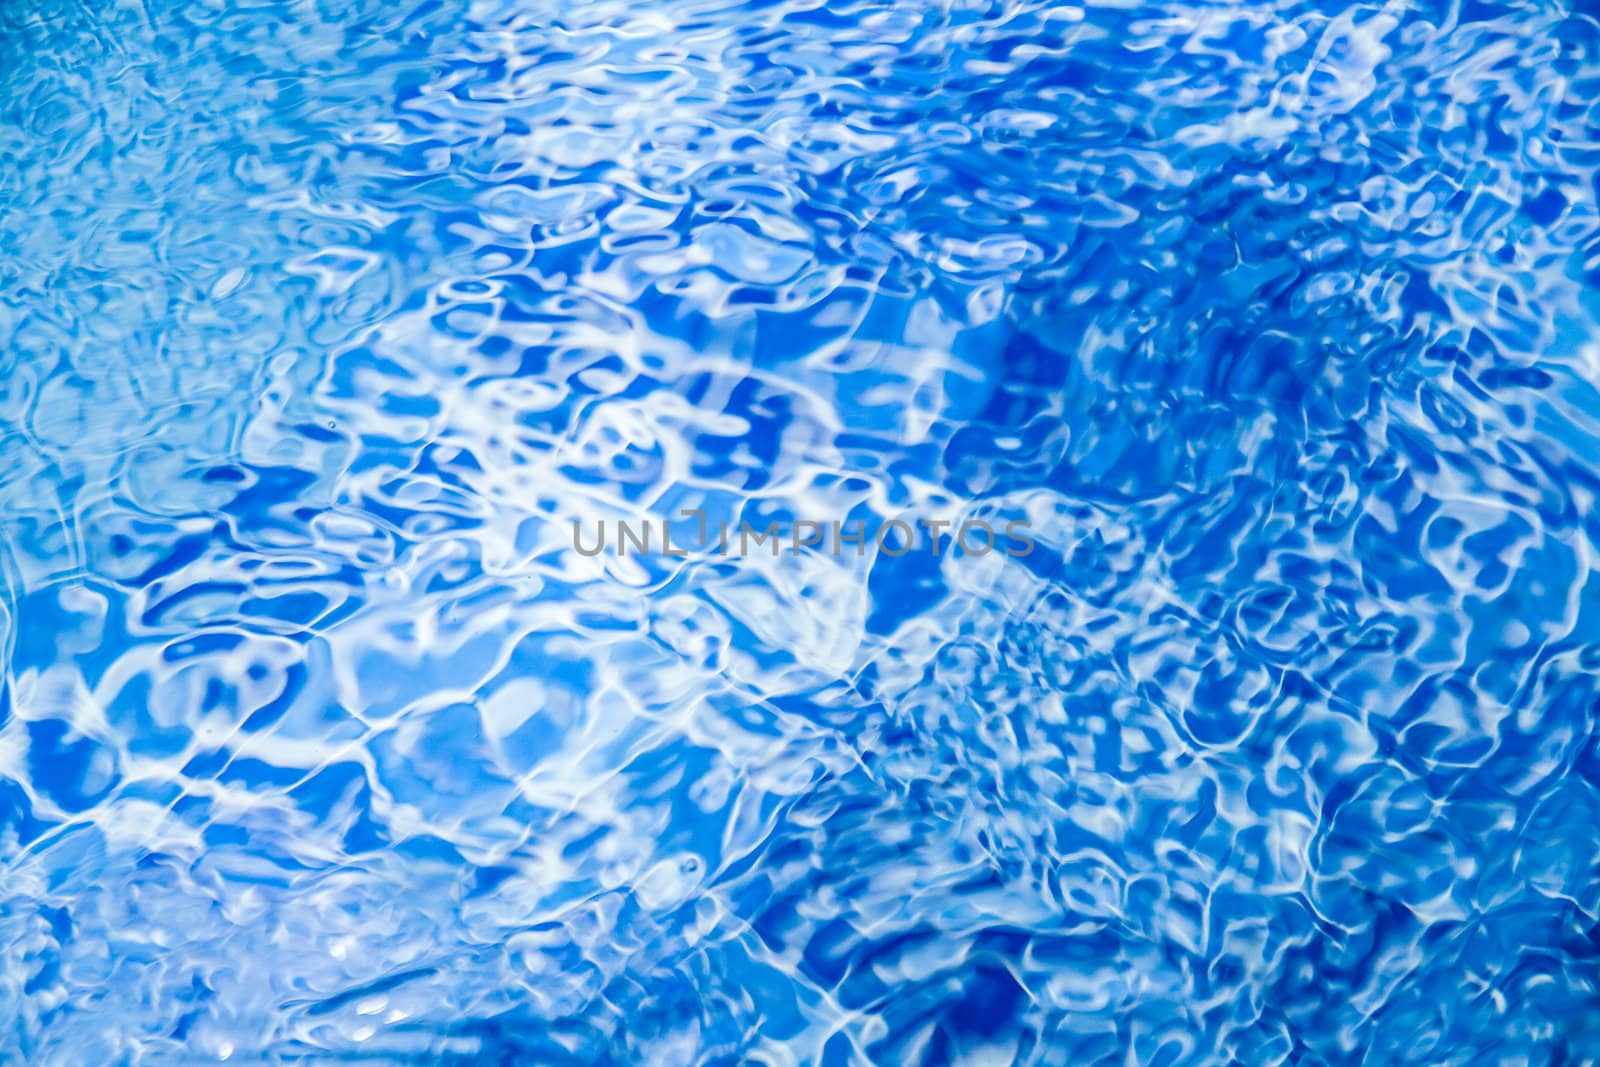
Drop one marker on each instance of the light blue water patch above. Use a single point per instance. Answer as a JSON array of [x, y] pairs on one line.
[[325, 325]]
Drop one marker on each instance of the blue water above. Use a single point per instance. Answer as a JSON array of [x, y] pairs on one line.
[[324, 325]]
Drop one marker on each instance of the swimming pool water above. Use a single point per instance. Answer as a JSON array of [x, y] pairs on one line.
[[326, 326]]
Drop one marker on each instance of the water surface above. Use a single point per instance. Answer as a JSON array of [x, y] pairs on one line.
[[1274, 322]]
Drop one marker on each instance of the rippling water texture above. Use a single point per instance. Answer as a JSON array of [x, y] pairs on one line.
[[324, 322]]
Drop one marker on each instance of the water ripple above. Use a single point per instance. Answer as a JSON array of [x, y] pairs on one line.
[[326, 324]]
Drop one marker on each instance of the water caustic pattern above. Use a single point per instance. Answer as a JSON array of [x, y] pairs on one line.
[[325, 323]]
